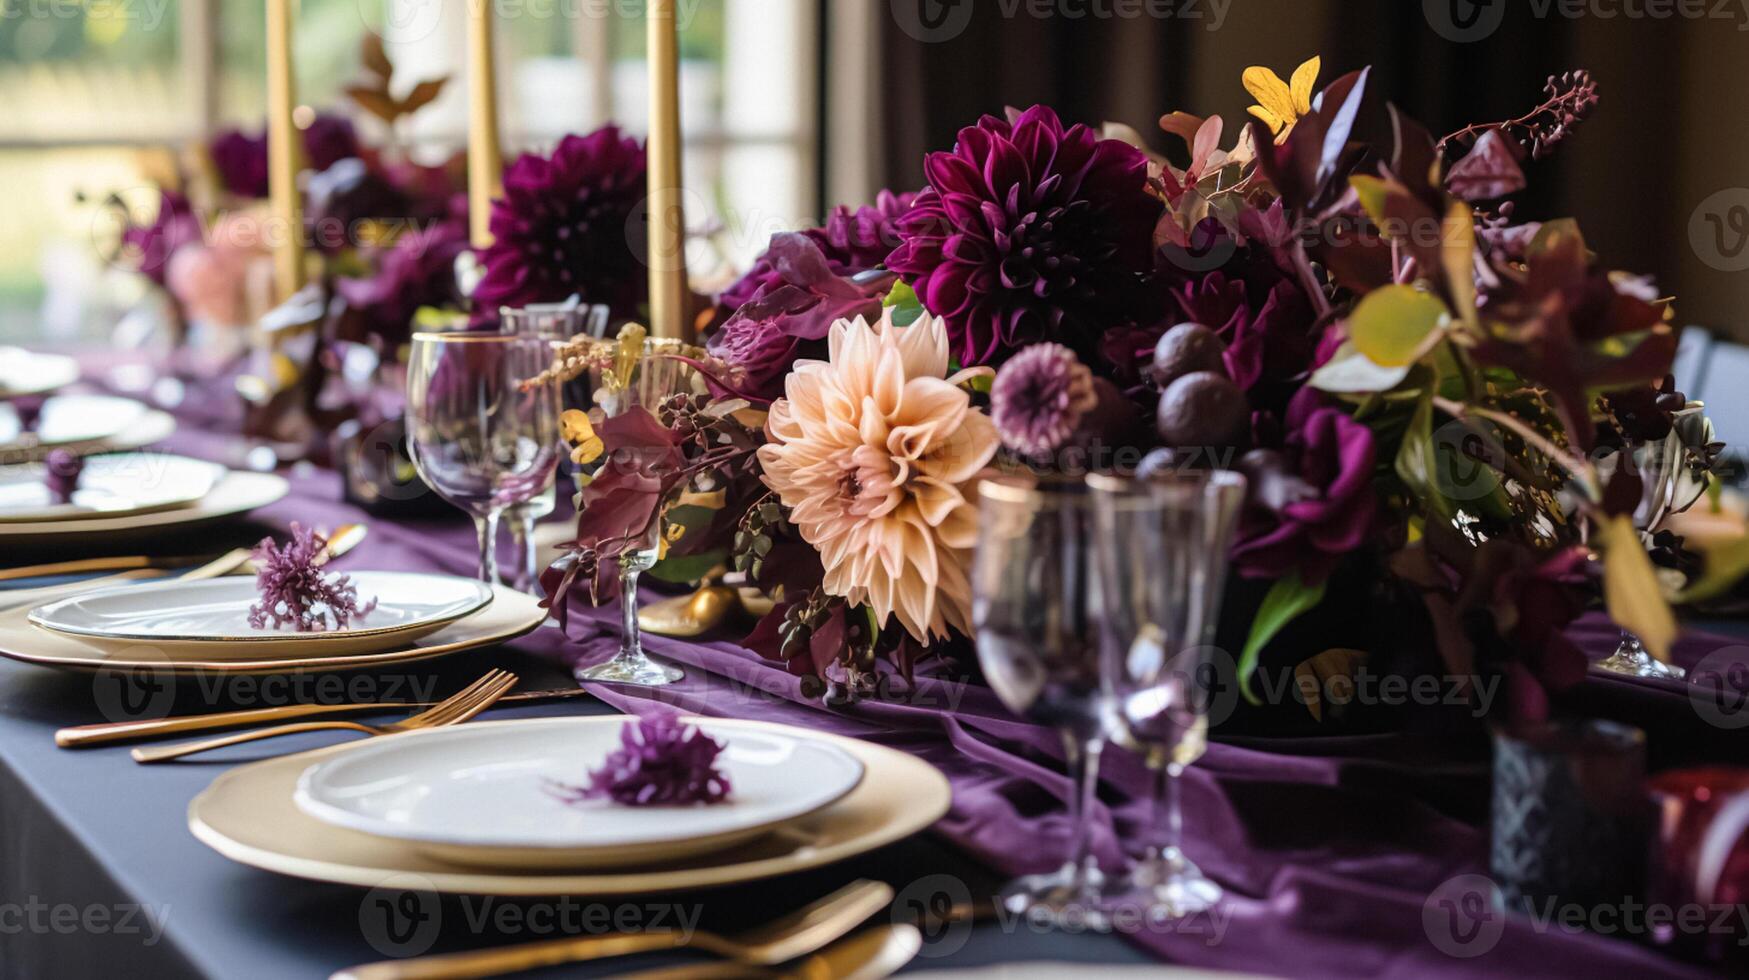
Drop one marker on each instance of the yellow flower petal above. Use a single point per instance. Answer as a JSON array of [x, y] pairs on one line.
[[1304, 83], [588, 451], [1271, 93], [1270, 119]]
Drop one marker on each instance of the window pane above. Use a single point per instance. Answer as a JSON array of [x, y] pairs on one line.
[[102, 69]]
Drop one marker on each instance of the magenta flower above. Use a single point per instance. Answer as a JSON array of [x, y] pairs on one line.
[[61, 474], [1311, 503], [149, 247], [294, 589], [660, 762], [1029, 231], [418, 270], [241, 158], [852, 242], [561, 228], [1040, 397]]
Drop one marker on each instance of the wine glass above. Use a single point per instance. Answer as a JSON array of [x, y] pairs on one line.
[[554, 323], [474, 434], [1162, 545], [1035, 608], [1668, 485], [638, 376]]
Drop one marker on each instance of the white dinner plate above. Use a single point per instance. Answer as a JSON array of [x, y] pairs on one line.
[[210, 618], [121, 485], [237, 493], [24, 373], [69, 419], [486, 796]]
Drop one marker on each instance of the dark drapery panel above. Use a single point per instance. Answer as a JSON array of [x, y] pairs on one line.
[[1666, 138]]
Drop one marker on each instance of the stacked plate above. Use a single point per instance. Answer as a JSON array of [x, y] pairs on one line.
[[25, 373], [204, 626], [481, 809], [126, 494], [82, 424]]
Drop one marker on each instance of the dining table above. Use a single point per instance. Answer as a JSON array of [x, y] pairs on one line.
[[1333, 849]]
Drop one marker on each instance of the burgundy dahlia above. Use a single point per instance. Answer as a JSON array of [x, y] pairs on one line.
[[294, 589], [852, 241], [149, 247], [241, 162], [1040, 397], [1028, 231], [561, 228], [61, 474], [418, 270], [1312, 502], [660, 762]]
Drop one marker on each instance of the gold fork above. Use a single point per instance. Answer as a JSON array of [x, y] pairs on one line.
[[454, 710], [779, 941]]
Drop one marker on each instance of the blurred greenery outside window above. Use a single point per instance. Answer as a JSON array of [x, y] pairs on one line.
[[98, 96]]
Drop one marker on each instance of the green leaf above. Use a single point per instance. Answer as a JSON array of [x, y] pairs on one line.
[[1417, 462], [1287, 600], [1391, 325], [1458, 255], [689, 569], [1630, 588], [905, 304], [1351, 372], [1724, 563]]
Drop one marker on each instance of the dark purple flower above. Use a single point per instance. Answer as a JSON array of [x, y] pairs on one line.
[[561, 227], [329, 139], [791, 316], [418, 270], [660, 762], [344, 196], [148, 247], [294, 590], [852, 242], [241, 158], [1029, 231], [1311, 503], [61, 474], [1039, 398], [29, 411]]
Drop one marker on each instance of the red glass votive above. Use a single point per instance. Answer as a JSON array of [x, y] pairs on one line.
[[1700, 862]]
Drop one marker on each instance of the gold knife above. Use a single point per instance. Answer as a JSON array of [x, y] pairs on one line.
[[111, 732], [871, 954]]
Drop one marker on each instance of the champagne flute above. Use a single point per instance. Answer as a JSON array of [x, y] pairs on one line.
[[1162, 545], [554, 323], [1035, 609], [475, 436], [638, 377]]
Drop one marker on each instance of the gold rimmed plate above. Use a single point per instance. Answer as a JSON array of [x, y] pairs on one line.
[[248, 815], [235, 494], [509, 615]]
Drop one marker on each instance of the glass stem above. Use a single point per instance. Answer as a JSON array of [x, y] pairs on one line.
[[1084, 769], [1167, 819], [487, 528], [522, 536], [632, 647]]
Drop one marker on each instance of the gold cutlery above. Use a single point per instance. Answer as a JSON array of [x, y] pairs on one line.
[[687, 616], [110, 732], [797, 934], [80, 565], [869, 955], [225, 564], [454, 710]]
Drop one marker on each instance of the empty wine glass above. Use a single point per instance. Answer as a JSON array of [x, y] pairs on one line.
[[1035, 608], [1162, 546], [475, 435], [554, 323], [1668, 485], [637, 378]]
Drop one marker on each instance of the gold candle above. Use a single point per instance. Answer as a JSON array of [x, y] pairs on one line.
[[285, 154], [485, 163], [667, 213]]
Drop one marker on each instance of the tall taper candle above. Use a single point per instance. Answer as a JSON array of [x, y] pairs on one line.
[[667, 213], [485, 162], [285, 154]]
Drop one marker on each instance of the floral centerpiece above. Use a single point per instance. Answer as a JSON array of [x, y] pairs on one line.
[[1435, 402]]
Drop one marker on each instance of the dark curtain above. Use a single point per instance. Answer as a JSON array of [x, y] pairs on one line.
[[1667, 135]]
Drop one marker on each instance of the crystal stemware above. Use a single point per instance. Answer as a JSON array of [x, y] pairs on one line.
[[479, 439], [637, 377], [1668, 485], [1035, 609], [555, 323], [1162, 546]]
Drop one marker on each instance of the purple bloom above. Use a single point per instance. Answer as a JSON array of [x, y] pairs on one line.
[[852, 242], [1311, 503], [1040, 397], [418, 270], [149, 247], [294, 590], [660, 762], [1028, 231], [562, 227], [791, 316], [29, 411], [344, 196], [328, 140], [241, 158], [61, 474]]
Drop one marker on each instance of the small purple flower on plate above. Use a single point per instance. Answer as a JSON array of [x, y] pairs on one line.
[[660, 762], [61, 473], [294, 590]]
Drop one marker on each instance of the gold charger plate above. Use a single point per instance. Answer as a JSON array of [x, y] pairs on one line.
[[509, 615], [236, 493], [248, 815]]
